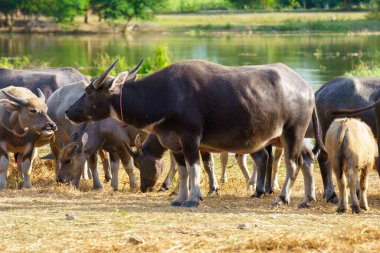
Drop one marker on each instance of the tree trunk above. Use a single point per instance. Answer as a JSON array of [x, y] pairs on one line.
[[10, 23], [100, 17], [86, 16]]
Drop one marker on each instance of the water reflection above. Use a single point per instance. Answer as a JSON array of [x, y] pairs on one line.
[[317, 58]]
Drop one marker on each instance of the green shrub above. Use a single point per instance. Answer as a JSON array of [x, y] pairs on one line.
[[365, 69], [21, 63]]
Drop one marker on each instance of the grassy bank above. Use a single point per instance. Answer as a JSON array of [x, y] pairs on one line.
[[222, 22]]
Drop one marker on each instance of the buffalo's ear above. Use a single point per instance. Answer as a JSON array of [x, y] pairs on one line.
[[71, 148], [9, 105]]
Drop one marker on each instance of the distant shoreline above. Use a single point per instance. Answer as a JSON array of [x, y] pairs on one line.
[[214, 23]]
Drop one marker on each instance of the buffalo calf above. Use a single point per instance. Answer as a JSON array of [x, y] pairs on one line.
[[351, 150]]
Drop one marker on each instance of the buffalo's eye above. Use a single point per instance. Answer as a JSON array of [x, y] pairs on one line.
[[67, 161], [32, 110]]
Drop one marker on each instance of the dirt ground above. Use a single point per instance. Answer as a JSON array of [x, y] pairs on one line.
[[57, 218]]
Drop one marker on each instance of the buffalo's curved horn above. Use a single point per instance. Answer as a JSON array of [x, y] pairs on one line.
[[134, 71], [100, 80], [19, 101], [130, 151], [41, 95]]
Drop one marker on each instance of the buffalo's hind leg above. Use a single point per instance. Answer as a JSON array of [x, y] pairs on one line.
[[307, 171], [208, 162], [292, 141], [328, 185]]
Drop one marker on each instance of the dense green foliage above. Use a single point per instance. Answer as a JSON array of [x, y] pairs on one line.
[[67, 10]]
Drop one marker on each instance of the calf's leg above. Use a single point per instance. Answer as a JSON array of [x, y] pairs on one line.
[[114, 161], [351, 178], [307, 171], [169, 178], [106, 165], [363, 188], [128, 166], [92, 163]]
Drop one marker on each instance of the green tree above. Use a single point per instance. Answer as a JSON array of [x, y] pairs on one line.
[[34, 8], [126, 9], [8, 8], [67, 10]]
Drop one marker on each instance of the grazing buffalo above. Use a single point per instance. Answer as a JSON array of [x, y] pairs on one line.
[[351, 150], [47, 80], [148, 159], [24, 125], [193, 105], [105, 134]]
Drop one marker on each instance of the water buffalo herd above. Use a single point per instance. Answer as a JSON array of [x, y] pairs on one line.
[[193, 109]]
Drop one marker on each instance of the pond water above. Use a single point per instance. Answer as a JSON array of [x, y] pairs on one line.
[[316, 57]]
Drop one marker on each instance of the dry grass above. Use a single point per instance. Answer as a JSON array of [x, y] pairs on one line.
[[34, 220]]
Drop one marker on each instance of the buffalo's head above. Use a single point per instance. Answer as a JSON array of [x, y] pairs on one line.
[[94, 105], [72, 161], [27, 111], [150, 167]]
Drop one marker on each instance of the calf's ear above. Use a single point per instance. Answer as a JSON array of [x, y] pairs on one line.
[[9, 105]]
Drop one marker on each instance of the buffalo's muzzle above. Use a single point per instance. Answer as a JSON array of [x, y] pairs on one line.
[[50, 127]]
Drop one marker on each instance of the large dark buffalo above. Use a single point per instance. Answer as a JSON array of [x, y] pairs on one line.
[[47, 80], [193, 105]]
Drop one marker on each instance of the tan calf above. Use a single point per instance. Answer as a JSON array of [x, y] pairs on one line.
[[351, 150]]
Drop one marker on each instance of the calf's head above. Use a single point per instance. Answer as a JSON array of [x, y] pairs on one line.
[[28, 113], [72, 161], [95, 104], [150, 167]]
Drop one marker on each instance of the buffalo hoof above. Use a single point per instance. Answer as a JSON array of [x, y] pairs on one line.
[[258, 195], [304, 205], [213, 192], [163, 188], [366, 208], [223, 180], [341, 209], [190, 203], [175, 203], [280, 201], [269, 191], [356, 210], [97, 187], [333, 199]]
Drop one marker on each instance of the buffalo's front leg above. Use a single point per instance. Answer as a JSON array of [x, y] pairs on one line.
[[26, 169], [114, 170], [106, 165], [92, 163], [268, 174], [190, 146], [224, 161], [208, 162], [183, 191]]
